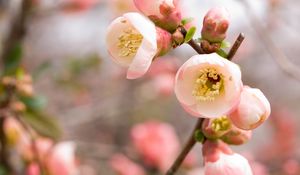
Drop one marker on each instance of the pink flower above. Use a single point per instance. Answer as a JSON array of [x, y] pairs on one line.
[[157, 143], [123, 166], [220, 160], [208, 85], [133, 41], [236, 136], [61, 160], [215, 25], [164, 13], [33, 169], [253, 109], [79, 5]]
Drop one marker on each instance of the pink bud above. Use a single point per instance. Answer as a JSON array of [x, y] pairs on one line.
[[236, 136], [123, 166], [215, 25], [133, 41], [164, 13], [154, 139], [220, 160], [208, 85], [253, 110]]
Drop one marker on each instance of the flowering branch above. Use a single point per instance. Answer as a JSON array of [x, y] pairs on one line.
[[192, 140]]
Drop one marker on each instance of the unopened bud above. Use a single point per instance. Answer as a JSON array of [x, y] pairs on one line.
[[215, 25]]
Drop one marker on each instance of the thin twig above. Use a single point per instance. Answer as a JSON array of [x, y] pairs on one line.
[[236, 46], [279, 56], [187, 148], [33, 144]]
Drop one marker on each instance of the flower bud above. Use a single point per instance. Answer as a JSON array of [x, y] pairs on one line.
[[134, 41], [215, 25], [164, 13], [220, 160], [236, 136], [253, 109]]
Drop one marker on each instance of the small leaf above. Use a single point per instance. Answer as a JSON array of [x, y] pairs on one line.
[[34, 103], [225, 44], [44, 125], [199, 137], [13, 60], [190, 34], [222, 53], [186, 21]]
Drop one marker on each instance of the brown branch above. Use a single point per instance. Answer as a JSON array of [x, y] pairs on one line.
[[187, 148], [236, 46], [279, 56]]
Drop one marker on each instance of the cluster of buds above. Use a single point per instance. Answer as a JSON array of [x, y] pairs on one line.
[[207, 86]]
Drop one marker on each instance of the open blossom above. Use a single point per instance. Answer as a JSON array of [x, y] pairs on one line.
[[133, 41], [123, 166], [208, 85], [220, 160], [215, 25], [164, 13], [154, 139], [253, 109]]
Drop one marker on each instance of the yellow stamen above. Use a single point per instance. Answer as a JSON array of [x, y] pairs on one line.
[[208, 85], [221, 124], [129, 42]]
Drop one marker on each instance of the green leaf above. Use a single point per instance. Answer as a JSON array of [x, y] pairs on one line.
[[199, 137], [225, 44], [186, 21], [44, 125], [190, 34], [13, 60], [34, 103], [222, 53]]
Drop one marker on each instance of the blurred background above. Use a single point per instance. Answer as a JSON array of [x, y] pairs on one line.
[[96, 106]]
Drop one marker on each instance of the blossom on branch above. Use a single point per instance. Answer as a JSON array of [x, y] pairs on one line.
[[208, 86], [134, 41]]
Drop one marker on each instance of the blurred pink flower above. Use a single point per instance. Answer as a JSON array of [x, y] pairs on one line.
[[62, 160], [291, 167], [133, 41], [253, 109], [79, 5], [123, 166], [120, 7], [208, 85], [33, 169], [164, 13], [157, 143], [215, 25], [220, 160]]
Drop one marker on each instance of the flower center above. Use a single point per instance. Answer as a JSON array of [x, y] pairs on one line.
[[208, 85], [129, 42], [221, 124]]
